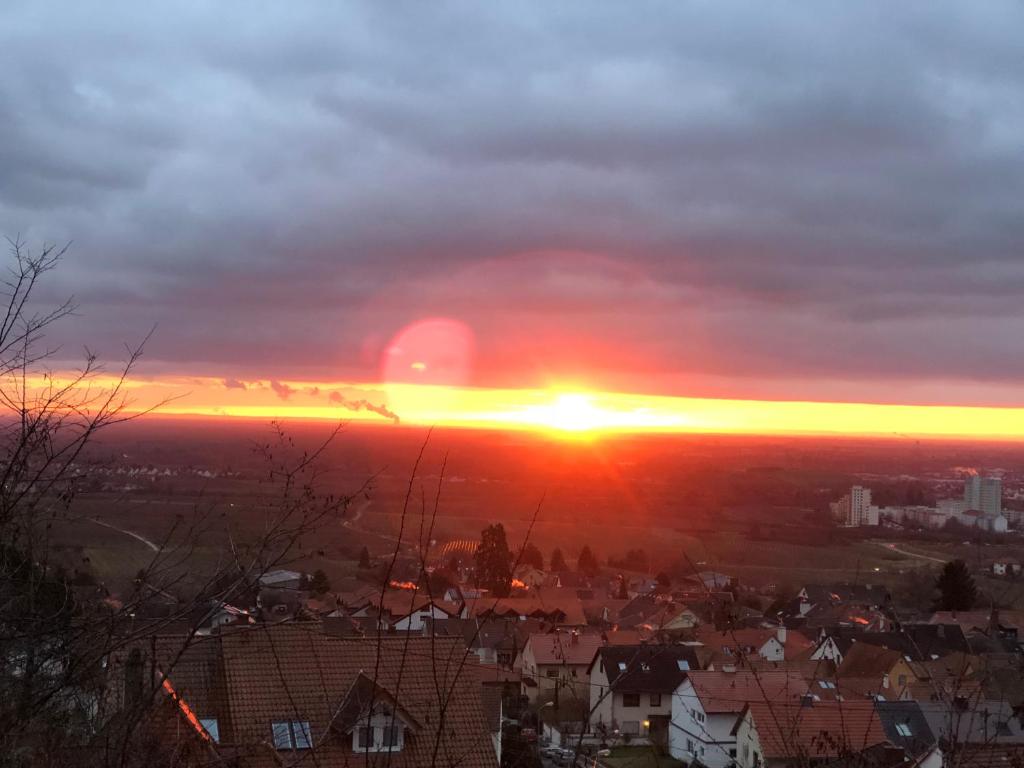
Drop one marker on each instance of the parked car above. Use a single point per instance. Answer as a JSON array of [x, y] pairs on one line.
[[565, 756]]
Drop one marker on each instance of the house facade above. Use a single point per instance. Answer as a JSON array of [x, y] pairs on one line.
[[632, 686], [555, 666]]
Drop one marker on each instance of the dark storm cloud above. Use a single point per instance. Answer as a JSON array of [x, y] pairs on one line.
[[830, 191]]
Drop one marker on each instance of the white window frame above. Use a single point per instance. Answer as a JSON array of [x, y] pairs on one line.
[[377, 725]]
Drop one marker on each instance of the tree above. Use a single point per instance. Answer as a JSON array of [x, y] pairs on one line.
[[364, 558], [957, 591], [63, 638], [494, 561], [558, 561], [587, 563], [319, 584], [530, 555]]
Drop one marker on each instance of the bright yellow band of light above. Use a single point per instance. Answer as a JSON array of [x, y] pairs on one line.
[[571, 411]]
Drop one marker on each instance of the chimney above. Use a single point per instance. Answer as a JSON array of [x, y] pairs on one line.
[[575, 638], [807, 700], [780, 633]]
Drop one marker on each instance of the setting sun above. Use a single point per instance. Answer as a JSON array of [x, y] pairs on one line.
[[570, 412]]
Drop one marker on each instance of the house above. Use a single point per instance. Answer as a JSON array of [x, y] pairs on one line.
[[561, 610], [282, 579], [796, 734], [711, 714], [906, 726], [870, 670], [731, 646], [709, 580], [528, 577], [973, 721], [1006, 567], [406, 610], [555, 666], [631, 688], [288, 693], [916, 641], [495, 641]]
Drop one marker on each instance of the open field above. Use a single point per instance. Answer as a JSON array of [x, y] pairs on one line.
[[750, 507]]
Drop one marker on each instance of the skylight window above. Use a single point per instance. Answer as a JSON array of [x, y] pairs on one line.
[[622, 666], [292, 734], [826, 684], [683, 664], [903, 729]]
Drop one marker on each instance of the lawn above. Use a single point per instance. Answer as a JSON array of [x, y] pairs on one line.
[[639, 757]]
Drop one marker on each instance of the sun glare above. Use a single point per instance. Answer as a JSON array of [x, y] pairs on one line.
[[571, 412]]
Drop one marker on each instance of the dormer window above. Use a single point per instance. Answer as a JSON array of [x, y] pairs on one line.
[[383, 733]]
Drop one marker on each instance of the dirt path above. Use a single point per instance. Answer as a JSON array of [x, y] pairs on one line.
[[137, 536], [893, 548]]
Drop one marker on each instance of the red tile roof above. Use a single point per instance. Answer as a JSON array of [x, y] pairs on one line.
[[295, 672], [823, 729], [720, 691], [564, 648]]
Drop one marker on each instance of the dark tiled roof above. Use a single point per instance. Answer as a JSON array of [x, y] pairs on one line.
[[905, 726], [648, 668]]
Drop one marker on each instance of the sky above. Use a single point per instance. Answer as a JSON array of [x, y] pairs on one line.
[[815, 202]]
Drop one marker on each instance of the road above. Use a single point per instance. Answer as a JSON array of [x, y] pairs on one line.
[[134, 535], [893, 548]]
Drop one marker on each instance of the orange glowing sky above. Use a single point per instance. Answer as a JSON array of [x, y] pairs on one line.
[[566, 411]]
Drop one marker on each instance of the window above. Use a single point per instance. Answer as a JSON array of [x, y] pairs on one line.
[[552, 673], [301, 735], [683, 664], [364, 738], [631, 699], [732, 753], [292, 734], [382, 734], [622, 666], [645, 667], [901, 680], [632, 727], [689, 746], [903, 729], [211, 726], [655, 699]]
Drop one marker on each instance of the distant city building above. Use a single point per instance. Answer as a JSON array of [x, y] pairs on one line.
[[984, 494], [950, 507], [855, 508]]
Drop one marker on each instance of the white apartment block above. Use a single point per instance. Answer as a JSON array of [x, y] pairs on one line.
[[984, 494], [855, 508]]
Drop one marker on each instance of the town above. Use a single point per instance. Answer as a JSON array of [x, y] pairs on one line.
[[538, 661]]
